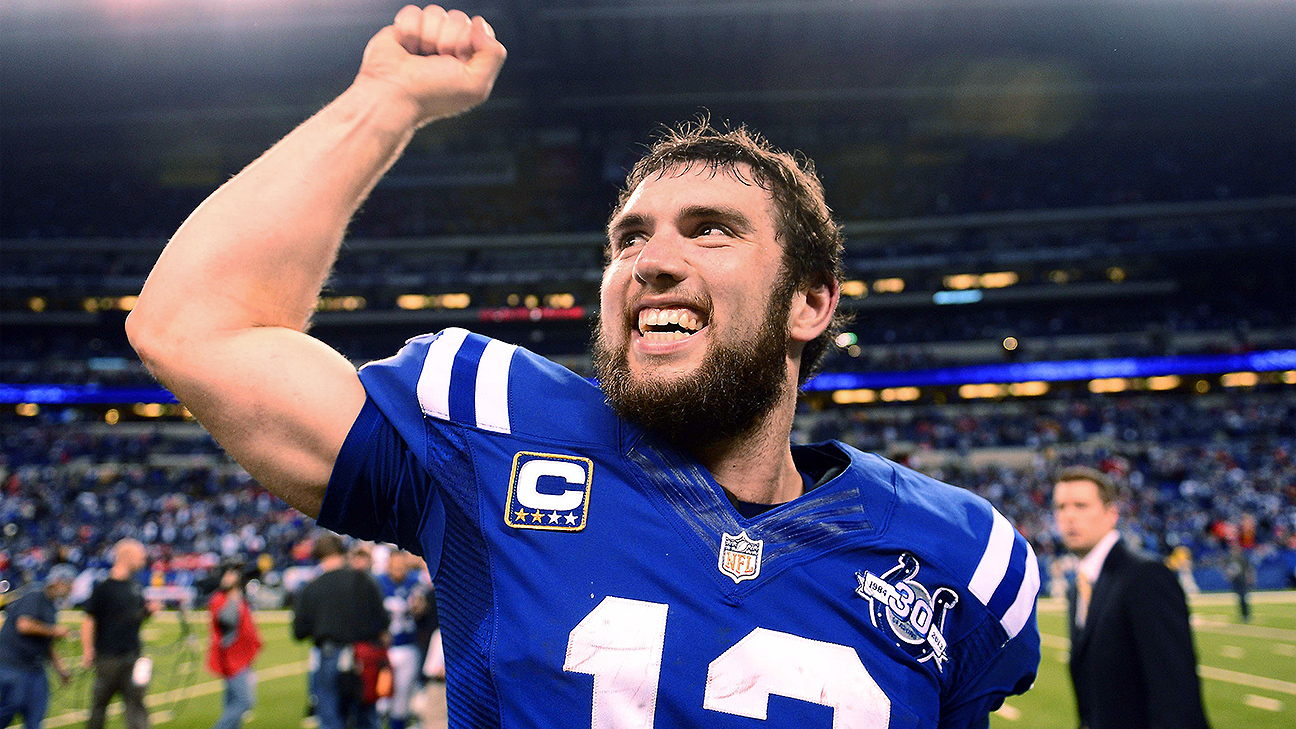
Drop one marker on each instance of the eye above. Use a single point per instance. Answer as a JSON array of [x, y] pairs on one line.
[[708, 229], [628, 240]]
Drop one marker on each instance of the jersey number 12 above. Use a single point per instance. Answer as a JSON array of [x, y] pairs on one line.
[[620, 644]]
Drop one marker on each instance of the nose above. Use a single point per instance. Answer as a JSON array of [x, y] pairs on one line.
[[662, 262]]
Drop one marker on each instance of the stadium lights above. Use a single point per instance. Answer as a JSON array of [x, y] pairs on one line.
[[1289, 377], [112, 416], [1239, 379], [850, 397], [982, 391], [1059, 276], [560, 301], [957, 297], [1034, 388], [27, 409], [1108, 384], [855, 289], [961, 281], [340, 303], [93, 304], [413, 302], [888, 286], [900, 394], [1010, 343], [998, 279], [1165, 382], [846, 339], [36, 304]]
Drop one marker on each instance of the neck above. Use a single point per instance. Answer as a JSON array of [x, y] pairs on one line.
[[757, 466], [120, 572]]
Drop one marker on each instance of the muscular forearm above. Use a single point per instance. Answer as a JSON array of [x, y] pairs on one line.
[[256, 253]]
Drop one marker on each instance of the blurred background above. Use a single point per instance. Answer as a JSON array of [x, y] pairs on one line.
[[1071, 238]]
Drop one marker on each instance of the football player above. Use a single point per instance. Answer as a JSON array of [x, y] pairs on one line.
[[653, 552]]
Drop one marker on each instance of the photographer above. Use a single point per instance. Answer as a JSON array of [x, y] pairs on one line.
[[234, 646]]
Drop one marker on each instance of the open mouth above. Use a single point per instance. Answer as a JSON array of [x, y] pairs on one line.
[[669, 325]]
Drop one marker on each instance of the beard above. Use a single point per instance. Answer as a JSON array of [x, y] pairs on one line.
[[731, 391]]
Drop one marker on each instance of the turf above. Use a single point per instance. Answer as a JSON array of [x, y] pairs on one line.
[[1249, 672]]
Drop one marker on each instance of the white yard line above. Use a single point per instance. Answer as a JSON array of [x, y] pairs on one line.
[[1206, 625], [1211, 672], [174, 695]]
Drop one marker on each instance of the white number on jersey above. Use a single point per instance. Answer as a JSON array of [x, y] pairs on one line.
[[621, 642]]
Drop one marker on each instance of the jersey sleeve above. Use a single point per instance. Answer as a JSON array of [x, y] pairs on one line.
[[406, 465], [1002, 654], [994, 643]]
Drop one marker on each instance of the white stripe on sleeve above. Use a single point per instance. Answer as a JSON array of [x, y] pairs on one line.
[[434, 380], [493, 387], [1017, 615], [994, 563]]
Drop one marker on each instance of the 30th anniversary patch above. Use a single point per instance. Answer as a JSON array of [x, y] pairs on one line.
[[914, 616]]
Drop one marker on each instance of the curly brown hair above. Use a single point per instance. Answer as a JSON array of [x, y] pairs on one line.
[[812, 239]]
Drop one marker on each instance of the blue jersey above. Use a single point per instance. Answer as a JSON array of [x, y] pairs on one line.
[[396, 598], [587, 574]]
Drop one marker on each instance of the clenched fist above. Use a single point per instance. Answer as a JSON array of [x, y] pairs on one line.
[[440, 62]]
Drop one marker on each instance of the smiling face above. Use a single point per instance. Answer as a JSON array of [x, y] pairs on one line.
[[695, 320]]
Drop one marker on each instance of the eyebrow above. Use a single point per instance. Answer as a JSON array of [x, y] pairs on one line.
[[726, 214]]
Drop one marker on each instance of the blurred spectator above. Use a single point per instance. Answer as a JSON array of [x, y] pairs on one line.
[[27, 644], [110, 638], [234, 646]]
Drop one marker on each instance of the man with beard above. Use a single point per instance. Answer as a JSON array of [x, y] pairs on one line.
[[653, 553]]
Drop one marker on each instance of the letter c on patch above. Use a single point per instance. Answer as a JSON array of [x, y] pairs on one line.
[[529, 476]]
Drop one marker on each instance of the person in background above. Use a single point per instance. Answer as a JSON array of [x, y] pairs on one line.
[[336, 610], [234, 646], [398, 584], [27, 644], [110, 638], [360, 557], [1241, 574], [1133, 664]]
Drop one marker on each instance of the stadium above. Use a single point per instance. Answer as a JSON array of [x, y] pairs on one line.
[[1070, 239]]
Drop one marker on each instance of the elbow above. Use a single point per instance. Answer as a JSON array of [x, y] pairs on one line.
[[149, 338]]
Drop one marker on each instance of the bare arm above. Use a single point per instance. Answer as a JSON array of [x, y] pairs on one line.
[[87, 641], [221, 321], [27, 625]]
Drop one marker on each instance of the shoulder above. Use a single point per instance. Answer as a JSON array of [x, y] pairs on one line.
[[976, 548], [458, 377], [1142, 567]]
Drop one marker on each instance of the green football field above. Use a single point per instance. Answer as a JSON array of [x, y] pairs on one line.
[[1248, 672]]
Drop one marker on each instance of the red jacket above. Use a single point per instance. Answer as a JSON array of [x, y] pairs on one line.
[[230, 660]]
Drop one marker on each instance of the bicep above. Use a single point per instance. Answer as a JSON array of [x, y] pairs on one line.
[[279, 401]]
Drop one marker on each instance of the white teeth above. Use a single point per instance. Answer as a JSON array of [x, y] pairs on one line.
[[684, 318]]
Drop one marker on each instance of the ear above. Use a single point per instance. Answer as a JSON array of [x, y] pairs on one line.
[[812, 310]]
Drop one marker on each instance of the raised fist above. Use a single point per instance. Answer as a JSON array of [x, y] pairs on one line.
[[442, 62]]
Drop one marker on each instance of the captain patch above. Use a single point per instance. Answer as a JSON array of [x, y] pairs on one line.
[[549, 491]]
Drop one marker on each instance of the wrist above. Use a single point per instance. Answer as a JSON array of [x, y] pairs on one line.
[[382, 103]]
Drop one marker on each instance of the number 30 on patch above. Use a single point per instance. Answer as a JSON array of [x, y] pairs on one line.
[[549, 491]]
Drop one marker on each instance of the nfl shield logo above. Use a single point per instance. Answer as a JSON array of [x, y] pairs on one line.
[[740, 556]]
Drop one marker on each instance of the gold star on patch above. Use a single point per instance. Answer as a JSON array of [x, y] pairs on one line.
[[535, 516], [520, 515]]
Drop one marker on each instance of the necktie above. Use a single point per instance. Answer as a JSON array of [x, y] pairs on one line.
[[1083, 591]]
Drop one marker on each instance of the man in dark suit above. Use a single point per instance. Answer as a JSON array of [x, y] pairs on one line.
[[1133, 664]]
